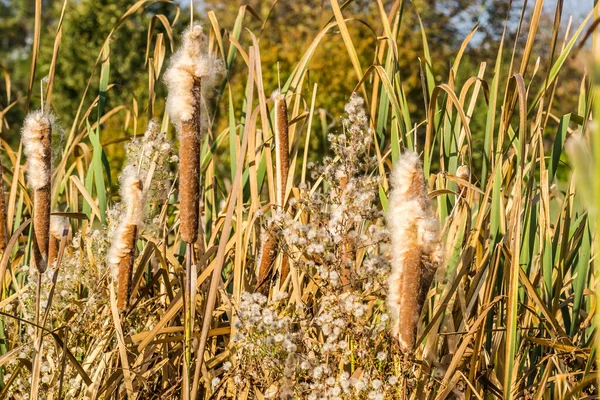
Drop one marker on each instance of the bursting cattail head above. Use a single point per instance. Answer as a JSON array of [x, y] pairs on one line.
[[191, 75], [122, 250], [416, 249], [189, 64], [37, 145], [36, 135]]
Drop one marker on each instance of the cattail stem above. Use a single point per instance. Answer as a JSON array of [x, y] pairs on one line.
[[189, 174], [125, 267]]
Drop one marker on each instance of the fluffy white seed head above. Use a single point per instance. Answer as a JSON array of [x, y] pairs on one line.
[[133, 196], [36, 131], [190, 63], [58, 224]]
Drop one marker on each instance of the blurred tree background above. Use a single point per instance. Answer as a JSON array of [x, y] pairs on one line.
[[284, 28]]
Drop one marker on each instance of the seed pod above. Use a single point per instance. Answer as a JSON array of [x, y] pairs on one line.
[[416, 250], [37, 140]]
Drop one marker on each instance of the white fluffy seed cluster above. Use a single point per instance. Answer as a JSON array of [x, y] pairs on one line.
[[58, 224], [134, 202], [190, 63], [36, 127]]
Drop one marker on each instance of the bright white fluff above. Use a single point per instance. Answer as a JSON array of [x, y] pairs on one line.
[[36, 131], [58, 224], [190, 63], [416, 249]]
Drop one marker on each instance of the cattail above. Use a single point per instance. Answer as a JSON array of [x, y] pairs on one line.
[[122, 251], [282, 156], [36, 134], [58, 226], [416, 249], [192, 74], [3, 227], [282, 159], [266, 258]]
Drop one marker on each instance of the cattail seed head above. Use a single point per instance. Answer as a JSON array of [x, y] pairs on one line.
[[121, 255], [191, 75], [416, 249], [37, 146]]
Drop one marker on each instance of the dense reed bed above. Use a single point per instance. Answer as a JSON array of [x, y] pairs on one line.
[[416, 259]]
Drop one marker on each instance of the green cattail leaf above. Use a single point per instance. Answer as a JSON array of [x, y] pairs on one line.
[[557, 149]]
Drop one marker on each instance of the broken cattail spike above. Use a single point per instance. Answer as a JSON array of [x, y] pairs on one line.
[[416, 250], [266, 260], [59, 226], [37, 144]]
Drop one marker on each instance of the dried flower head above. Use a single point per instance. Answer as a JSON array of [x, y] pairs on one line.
[[415, 247]]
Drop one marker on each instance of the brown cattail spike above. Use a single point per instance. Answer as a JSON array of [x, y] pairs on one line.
[[268, 252], [121, 255], [191, 75], [416, 249], [125, 267], [37, 142], [3, 226], [282, 156], [282, 159], [189, 171]]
